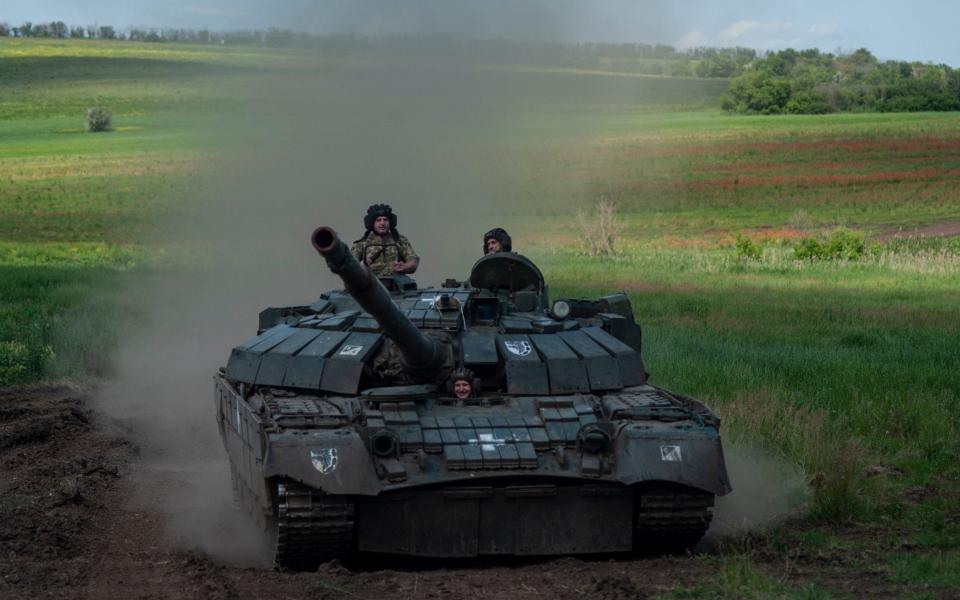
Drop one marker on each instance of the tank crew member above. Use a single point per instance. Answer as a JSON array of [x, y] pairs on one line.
[[497, 240], [462, 380], [382, 248]]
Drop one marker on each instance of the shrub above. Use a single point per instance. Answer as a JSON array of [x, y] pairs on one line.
[[748, 249], [808, 249], [601, 229], [98, 119], [843, 244]]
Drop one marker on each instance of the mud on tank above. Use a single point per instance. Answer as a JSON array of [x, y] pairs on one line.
[[344, 436]]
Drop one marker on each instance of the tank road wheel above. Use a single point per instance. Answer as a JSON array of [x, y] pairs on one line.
[[312, 527], [671, 518]]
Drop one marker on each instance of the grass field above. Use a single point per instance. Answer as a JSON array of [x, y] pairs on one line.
[[848, 369]]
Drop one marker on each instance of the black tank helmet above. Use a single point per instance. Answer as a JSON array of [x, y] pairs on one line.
[[379, 210], [501, 236], [462, 375]]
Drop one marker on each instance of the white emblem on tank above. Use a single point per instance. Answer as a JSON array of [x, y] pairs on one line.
[[349, 350], [324, 459], [487, 442], [670, 454], [520, 348]]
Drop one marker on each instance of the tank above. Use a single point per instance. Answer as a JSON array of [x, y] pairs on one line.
[[345, 436]]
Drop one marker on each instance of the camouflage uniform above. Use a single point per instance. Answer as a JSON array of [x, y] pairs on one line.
[[379, 253]]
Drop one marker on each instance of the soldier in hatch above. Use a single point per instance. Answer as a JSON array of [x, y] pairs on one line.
[[462, 380], [382, 248], [497, 240]]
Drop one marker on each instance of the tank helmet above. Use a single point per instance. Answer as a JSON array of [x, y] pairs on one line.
[[462, 375], [501, 236], [379, 210]]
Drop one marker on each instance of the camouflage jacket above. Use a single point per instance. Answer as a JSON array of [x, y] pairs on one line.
[[380, 253]]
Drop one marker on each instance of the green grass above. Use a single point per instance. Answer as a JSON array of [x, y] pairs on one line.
[[844, 368], [57, 321], [738, 577], [871, 352], [933, 570]]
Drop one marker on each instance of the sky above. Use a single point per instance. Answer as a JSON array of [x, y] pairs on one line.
[[920, 30]]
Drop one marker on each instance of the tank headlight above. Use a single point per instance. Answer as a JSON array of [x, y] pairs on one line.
[[385, 443], [593, 439], [560, 310]]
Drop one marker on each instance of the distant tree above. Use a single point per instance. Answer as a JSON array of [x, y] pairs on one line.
[[106, 32], [58, 29], [26, 29], [722, 62], [808, 102], [98, 119], [664, 51], [4, 30], [78, 32], [278, 38], [717, 65], [759, 92]]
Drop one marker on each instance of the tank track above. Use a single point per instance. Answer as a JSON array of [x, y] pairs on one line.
[[671, 518], [312, 527]]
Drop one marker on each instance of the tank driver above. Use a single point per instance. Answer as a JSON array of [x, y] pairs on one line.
[[382, 248], [462, 383]]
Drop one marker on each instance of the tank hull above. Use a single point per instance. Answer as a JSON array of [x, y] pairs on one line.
[[322, 505]]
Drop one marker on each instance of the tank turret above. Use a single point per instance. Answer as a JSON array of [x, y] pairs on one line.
[[420, 353]]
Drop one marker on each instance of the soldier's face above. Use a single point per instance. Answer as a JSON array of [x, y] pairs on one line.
[[462, 389], [493, 245], [381, 225]]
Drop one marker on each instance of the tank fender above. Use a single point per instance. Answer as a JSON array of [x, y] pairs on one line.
[[692, 458], [335, 461]]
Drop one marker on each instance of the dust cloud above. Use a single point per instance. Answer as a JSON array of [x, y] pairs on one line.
[[766, 490], [313, 140], [313, 143]]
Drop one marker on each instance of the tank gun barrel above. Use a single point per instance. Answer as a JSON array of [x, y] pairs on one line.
[[419, 351]]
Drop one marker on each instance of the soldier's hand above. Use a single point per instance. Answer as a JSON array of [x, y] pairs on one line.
[[399, 267]]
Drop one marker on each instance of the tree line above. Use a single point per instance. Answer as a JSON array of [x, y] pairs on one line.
[[651, 59], [815, 82], [788, 81]]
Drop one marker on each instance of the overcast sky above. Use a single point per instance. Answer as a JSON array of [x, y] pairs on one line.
[[918, 30]]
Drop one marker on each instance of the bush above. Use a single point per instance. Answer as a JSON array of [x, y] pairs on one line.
[[98, 119], [843, 244], [808, 249], [601, 229], [748, 249]]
